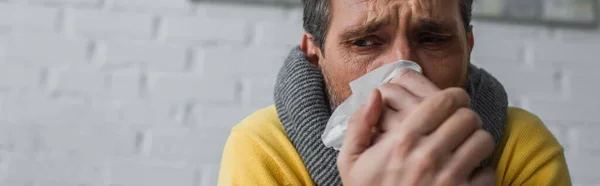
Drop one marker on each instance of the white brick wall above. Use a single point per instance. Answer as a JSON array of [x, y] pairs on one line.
[[28, 17], [144, 92], [106, 24], [201, 30]]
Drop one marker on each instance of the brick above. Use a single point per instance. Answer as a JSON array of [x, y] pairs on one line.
[[17, 182], [4, 39], [263, 62], [125, 84], [583, 84], [584, 139], [582, 168], [86, 81], [70, 170], [154, 56], [245, 12], [520, 80], [578, 35], [154, 5], [28, 17], [19, 138], [563, 110], [16, 108], [41, 108], [16, 75], [198, 30], [49, 50], [203, 146], [497, 50], [141, 173], [67, 2], [279, 33], [258, 91], [486, 30], [98, 23], [560, 131], [191, 87], [225, 116], [91, 140], [296, 14], [565, 54], [144, 114], [248, 109], [2, 111], [209, 175]]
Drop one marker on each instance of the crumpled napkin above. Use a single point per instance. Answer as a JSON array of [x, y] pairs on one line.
[[361, 88]]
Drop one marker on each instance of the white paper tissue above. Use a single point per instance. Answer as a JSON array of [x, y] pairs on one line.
[[361, 88]]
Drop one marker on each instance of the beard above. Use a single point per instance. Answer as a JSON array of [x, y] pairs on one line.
[[333, 94]]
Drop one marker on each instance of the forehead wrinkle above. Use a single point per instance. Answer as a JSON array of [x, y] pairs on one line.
[[383, 11], [431, 9]]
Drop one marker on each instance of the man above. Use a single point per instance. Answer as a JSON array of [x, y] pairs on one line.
[[449, 126]]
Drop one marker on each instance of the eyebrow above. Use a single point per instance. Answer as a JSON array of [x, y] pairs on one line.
[[426, 24], [360, 30], [434, 26]]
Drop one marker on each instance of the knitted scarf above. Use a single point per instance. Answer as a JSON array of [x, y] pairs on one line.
[[303, 108]]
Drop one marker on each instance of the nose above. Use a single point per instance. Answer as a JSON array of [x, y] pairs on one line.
[[402, 49]]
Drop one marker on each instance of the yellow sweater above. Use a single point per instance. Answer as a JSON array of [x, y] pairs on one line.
[[258, 152]]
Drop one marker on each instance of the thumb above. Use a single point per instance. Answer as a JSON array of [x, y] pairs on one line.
[[358, 135]]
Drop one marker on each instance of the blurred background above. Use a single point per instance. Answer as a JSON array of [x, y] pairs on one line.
[[144, 92]]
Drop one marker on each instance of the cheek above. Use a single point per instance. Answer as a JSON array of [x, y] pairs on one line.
[[446, 72], [446, 68], [339, 73]]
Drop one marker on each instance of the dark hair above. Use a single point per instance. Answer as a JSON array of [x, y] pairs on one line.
[[317, 14]]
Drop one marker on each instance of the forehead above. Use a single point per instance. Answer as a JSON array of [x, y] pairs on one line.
[[372, 10]]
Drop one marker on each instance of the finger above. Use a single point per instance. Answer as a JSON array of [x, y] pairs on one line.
[[434, 110], [416, 83], [468, 156], [398, 98], [455, 130], [359, 132], [391, 119], [484, 177]]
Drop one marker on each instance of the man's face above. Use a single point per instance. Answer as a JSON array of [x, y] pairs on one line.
[[366, 34]]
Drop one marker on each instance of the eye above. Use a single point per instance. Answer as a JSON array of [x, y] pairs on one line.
[[363, 42], [431, 40], [366, 42]]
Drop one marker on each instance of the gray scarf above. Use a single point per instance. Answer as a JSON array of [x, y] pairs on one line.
[[303, 108]]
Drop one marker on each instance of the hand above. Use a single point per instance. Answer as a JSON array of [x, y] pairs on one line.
[[428, 137]]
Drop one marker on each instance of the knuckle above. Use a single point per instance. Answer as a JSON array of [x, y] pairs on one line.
[[389, 90], [426, 159], [458, 91], [443, 99], [469, 117], [458, 94], [486, 136], [488, 140], [402, 144]]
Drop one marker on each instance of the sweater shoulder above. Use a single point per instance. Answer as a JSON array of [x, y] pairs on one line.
[[259, 152], [528, 152]]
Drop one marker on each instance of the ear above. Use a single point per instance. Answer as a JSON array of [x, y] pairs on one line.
[[470, 39], [310, 49]]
